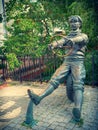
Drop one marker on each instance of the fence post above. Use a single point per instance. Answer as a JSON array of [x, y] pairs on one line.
[[3, 68], [93, 81], [40, 69], [20, 75]]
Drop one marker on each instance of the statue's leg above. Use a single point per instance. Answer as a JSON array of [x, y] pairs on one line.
[[69, 88], [36, 98], [57, 78], [78, 76], [78, 100]]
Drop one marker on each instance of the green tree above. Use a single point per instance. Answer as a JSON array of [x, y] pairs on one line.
[[32, 27], [34, 23]]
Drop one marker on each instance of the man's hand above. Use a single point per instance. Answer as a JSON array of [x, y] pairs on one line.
[[54, 44], [68, 42], [50, 47]]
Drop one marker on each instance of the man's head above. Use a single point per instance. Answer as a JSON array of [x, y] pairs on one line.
[[75, 22]]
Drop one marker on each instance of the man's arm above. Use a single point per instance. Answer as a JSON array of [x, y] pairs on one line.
[[62, 42], [79, 39], [58, 42]]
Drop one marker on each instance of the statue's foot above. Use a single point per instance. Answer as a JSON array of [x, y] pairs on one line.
[[35, 98], [76, 114]]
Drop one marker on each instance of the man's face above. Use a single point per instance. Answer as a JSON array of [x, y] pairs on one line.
[[74, 23]]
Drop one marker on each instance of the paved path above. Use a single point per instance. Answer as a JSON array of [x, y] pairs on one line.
[[53, 113]]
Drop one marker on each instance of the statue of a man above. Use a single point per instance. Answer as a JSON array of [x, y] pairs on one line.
[[73, 63]]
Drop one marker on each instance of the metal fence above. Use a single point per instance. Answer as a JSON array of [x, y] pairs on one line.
[[95, 69], [31, 69], [41, 69], [91, 64]]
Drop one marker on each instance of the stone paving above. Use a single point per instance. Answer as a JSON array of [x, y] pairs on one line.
[[53, 113]]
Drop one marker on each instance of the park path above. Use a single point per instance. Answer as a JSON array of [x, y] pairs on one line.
[[53, 113]]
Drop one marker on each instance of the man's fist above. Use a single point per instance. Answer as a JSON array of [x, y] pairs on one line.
[[50, 47]]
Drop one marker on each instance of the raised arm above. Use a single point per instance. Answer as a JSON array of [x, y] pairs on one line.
[[82, 39], [58, 42]]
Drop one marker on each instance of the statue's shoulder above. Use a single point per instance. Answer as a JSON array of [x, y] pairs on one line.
[[84, 36]]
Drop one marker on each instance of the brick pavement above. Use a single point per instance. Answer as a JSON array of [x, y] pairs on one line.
[[53, 113]]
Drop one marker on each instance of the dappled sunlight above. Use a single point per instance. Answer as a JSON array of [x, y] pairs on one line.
[[7, 105], [12, 114], [14, 91]]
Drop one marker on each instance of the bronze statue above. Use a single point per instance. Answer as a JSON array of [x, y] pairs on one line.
[[73, 63]]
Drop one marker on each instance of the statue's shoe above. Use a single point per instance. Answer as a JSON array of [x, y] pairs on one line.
[[35, 98], [76, 114]]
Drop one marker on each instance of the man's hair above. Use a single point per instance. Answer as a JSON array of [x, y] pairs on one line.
[[76, 16]]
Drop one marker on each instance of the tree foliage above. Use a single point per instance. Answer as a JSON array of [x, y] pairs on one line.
[[33, 24]]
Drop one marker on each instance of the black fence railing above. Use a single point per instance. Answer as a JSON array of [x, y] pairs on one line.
[[95, 69], [41, 69], [31, 69]]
